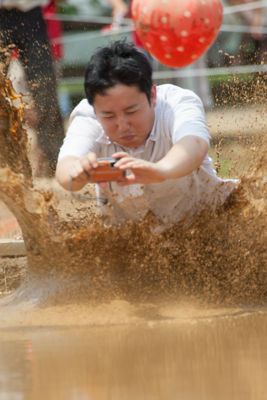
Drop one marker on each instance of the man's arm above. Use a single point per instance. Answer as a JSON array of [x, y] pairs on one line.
[[118, 7], [183, 158]]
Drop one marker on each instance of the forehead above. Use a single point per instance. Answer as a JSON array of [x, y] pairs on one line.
[[119, 94]]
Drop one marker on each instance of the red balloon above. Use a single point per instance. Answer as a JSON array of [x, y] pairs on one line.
[[177, 32]]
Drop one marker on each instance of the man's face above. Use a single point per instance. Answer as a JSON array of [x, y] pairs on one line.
[[125, 114]]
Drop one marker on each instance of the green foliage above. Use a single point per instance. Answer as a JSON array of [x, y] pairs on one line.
[[67, 9]]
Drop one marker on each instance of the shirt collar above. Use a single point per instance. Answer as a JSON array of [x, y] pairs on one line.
[[153, 135], [103, 138]]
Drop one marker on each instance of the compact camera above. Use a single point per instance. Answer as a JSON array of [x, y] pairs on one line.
[[106, 172]]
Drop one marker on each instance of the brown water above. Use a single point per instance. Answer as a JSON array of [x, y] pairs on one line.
[[119, 313], [218, 358]]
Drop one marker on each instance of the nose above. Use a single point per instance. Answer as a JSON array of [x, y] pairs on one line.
[[123, 124]]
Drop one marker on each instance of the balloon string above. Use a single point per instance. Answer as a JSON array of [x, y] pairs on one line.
[[85, 198]]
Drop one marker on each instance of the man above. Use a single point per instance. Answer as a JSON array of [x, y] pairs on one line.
[[22, 24], [159, 133]]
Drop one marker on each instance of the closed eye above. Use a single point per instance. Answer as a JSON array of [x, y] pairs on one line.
[[131, 112]]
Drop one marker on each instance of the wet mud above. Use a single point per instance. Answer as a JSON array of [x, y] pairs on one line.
[[215, 258]]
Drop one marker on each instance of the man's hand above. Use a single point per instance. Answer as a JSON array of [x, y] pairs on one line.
[[183, 158], [142, 171], [71, 167], [79, 168]]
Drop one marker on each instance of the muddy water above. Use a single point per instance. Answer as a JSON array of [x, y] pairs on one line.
[[217, 358], [122, 313]]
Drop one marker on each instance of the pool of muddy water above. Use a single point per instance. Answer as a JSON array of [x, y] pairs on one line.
[[222, 357]]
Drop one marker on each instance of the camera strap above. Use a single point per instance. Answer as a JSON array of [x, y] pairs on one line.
[[85, 198]]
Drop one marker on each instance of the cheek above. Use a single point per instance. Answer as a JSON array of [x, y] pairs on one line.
[[108, 126], [138, 119], [140, 123]]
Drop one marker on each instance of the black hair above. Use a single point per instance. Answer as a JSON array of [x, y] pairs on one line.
[[120, 62]]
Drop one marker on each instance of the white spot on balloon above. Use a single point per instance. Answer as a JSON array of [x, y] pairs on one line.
[[187, 14], [164, 1], [194, 56], [203, 2], [164, 20], [202, 40], [134, 13], [168, 56], [148, 45], [180, 48], [184, 33], [207, 21], [145, 10], [163, 38]]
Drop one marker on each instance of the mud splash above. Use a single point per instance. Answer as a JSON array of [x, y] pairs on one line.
[[217, 258]]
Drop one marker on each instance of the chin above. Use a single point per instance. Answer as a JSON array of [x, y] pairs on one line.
[[129, 145]]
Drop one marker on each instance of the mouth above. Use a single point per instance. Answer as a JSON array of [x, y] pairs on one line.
[[127, 138]]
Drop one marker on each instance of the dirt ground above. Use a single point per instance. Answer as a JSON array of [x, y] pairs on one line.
[[13, 271]]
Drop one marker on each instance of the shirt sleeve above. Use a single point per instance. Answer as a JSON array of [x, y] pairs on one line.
[[81, 137], [188, 117]]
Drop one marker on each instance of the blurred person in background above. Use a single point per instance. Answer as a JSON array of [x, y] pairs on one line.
[[248, 48], [253, 47], [22, 24], [121, 9], [54, 30]]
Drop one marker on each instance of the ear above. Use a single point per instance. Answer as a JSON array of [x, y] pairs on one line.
[[153, 96]]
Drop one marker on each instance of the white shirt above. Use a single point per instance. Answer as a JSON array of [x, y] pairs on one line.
[[22, 5], [178, 113]]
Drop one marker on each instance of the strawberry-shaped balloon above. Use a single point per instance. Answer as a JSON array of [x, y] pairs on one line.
[[177, 32]]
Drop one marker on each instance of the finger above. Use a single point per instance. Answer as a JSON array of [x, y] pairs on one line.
[[85, 164], [120, 154], [132, 164], [92, 158], [129, 180], [76, 170], [103, 185], [123, 161]]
